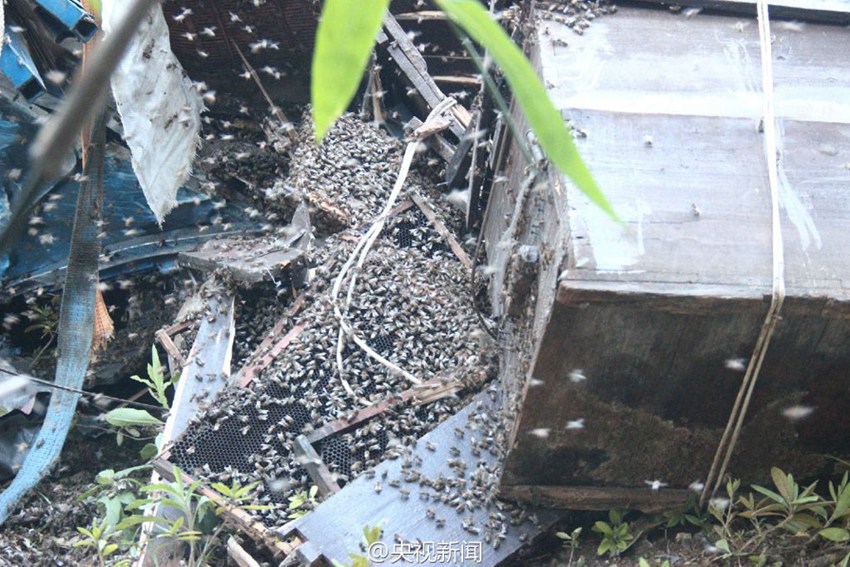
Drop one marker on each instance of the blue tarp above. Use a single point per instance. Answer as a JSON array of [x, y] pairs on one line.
[[123, 200]]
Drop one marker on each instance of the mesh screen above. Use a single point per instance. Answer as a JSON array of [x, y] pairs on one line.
[[411, 305]]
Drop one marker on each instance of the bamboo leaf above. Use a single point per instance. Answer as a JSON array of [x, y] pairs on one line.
[[548, 124], [344, 40]]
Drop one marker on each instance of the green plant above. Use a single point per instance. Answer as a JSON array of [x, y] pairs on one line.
[[744, 523], [645, 563], [198, 524], [156, 381], [130, 421], [571, 541], [113, 492], [616, 534], [99, 537], [44, 318], [126, 503], [302, 502], [371, 535]]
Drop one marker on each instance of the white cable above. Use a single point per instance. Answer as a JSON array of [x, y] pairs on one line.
[[742, 402], [360, 252]]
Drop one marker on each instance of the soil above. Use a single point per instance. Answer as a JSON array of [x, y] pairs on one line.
[[43, 530]]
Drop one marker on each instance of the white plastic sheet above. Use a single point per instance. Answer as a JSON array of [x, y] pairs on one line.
[[159, 106]]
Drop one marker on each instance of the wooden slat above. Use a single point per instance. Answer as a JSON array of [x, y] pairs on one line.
[[413, 65], [425, 393], [442, 230], [312, 463], [238, 554], [204, 375], [436, 142], [250, 371]]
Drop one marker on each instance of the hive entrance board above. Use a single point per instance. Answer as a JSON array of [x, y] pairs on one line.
[[667, 113]]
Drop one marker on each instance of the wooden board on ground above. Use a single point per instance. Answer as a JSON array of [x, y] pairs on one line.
[[249, 260], [335, 528]]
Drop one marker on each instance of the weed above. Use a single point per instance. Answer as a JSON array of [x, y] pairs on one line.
[[571, 541], [99, 537], [44, 318], [616, 534], [156, 381], [302, 502]]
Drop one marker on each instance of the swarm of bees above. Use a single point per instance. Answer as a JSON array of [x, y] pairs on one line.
[[576, 14], [410, 304]]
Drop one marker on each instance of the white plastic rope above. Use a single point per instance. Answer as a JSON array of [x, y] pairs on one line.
[[742, 402], [362, 250]]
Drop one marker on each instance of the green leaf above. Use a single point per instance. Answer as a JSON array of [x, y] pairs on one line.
[[603, 528], [783, 483], [344, 40], [105, 477], [148, 452], [835, 534], [722, 544], [769, 493], [842, 503], [548, 124], [128, 417], [112, 510]]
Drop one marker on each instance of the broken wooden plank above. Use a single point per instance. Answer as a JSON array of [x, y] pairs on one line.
[[462, 81], [420, 394], [248, 260], [171, 350], [204, 375], [421, 16], [207, 368], [410, 61], [312, 463], [335, 528]]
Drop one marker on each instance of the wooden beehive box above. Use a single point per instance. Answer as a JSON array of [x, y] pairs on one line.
[[635, 328]]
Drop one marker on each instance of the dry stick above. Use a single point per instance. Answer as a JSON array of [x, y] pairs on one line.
[[278, 113], [55, 138], [742, 401]]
